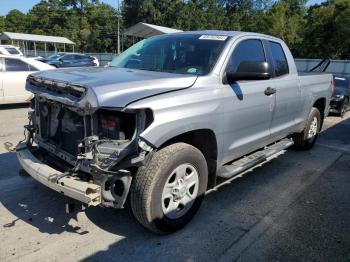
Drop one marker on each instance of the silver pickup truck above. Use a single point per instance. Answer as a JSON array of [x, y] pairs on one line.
[[170, 115]]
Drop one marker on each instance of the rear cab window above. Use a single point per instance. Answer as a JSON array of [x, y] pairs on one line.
[[279, 59], [246, 50]]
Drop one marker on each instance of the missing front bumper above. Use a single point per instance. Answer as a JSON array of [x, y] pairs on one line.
[[73, 187]]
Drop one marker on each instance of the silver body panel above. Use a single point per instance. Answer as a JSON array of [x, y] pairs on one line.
[[241, 125], [241, 116]]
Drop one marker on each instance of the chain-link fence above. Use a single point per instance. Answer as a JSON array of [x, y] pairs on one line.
[[339, 67], [103, 58]]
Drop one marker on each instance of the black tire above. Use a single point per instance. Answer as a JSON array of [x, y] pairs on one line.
[[344, 107], [149, 181], [301, 140]]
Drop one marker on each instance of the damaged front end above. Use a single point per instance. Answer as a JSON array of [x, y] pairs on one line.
[[68, 132]]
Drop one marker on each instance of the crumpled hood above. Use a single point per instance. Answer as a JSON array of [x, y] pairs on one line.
[[118, 87]]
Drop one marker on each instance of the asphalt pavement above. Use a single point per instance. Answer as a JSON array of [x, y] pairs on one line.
[[295, 207]]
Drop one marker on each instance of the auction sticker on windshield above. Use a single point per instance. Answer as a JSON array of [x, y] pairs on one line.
[[213, 37]]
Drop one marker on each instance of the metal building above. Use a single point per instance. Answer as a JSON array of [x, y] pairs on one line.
[[22, 40], [144, 30]]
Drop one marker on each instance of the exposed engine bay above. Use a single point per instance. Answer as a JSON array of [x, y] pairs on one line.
[[102, 146]]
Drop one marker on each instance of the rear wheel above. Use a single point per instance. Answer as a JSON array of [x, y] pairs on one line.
[[307, 138], [167, 193], [344, 107]]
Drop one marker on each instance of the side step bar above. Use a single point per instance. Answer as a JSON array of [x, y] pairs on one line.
[[254, 159]]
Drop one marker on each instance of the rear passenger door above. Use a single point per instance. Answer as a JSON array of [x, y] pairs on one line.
[[287, 92], [81, 60], [67, 61], [248, 110]]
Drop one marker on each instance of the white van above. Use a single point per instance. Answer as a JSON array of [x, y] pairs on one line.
[[10, 50]]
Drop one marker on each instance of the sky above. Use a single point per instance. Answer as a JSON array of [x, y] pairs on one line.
[[25, 5]]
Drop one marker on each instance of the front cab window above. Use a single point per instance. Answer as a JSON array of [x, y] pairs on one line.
[[251, 50]]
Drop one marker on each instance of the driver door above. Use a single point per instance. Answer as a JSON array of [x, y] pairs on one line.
[[247, 109]]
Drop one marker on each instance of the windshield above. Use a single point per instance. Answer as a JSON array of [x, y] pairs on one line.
[[181, 54], [53, 57]]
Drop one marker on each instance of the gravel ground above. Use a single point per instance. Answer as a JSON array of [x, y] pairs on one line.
[[293, 208]]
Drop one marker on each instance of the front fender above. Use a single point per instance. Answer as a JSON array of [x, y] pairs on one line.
[[181, 112]]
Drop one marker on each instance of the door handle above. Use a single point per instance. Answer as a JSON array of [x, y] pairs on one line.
[[269, 91]]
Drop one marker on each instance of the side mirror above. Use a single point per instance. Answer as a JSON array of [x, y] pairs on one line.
[[249, 70]]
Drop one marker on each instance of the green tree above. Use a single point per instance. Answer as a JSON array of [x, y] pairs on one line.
[[316, 31], [165, 12], [247, 15], [319, 27], [185, 15], [327, 33], [200, 14], [103, 23], [16, 21], [2, 23], [342, 32], [287, 21]]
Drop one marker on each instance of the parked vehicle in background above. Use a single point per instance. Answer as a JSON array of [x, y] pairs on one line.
[[341, 95], [61, 60], [10, 50], [14, 71], [170, 115], [95, 60], [51, 57]]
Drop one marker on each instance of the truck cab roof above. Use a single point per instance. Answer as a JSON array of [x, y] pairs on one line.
[[225, 33]]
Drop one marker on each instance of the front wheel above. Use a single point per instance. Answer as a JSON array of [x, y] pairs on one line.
[[307, 138], [167, 193]]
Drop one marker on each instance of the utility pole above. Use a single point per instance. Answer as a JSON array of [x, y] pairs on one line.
[[118, 33]]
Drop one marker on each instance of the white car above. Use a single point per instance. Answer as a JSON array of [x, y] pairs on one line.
[[10, 50], [97, 63], [14, 71]]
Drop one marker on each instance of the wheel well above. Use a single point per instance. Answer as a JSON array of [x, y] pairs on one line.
[[205, 141], [320, 104]]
